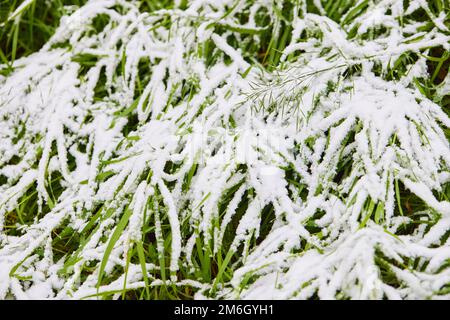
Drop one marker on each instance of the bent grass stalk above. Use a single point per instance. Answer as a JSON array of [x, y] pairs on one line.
[[278, 150]]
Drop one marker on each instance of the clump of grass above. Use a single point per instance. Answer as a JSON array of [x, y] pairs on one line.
[[177, 150]]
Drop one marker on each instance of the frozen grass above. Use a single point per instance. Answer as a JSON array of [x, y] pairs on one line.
[[224, 149]]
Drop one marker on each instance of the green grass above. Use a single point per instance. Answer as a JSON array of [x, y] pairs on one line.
[[34, 26], [31, 28]]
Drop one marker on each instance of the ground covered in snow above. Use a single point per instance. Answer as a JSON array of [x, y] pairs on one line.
[[227, 149]]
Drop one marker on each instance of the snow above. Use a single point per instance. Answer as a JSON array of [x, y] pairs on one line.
[[287, 159]]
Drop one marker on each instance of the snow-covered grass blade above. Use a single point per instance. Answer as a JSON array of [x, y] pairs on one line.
[[225, 149]]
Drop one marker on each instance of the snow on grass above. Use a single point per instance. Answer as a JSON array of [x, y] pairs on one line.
[[148, 149]]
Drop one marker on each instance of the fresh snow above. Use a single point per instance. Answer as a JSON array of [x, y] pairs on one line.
[[387, 130]]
